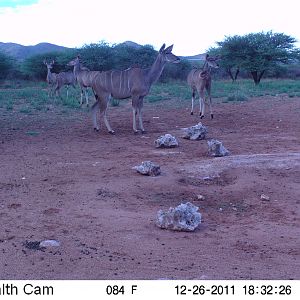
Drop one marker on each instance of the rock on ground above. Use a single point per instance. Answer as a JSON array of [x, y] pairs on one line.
[[184, 217], [49, 243], [148, 168], [197, 132], [216, 148], [166, 141]]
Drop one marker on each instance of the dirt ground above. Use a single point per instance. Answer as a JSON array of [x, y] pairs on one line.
[[61, 180]]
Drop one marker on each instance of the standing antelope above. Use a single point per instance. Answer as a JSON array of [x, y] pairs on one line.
[[83, 76], [133, 82], [200, 80], [51, 77], [64, 78]]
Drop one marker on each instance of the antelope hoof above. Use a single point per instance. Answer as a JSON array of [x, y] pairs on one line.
[[135, 132], [96, 129], [144, 131], [211, 116], [112, 132], [192, 113], [201, 116]]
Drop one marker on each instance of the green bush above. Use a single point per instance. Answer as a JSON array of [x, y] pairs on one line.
[[6, 65]]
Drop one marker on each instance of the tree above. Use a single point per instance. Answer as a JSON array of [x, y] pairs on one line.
[[6, 64], [97, 57], [177, 71], [229, 50], [257, 53]]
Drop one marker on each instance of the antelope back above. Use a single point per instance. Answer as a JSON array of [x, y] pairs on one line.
[[66, 78]]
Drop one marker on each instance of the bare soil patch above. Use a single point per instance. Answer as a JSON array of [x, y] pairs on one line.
[[66, 182]]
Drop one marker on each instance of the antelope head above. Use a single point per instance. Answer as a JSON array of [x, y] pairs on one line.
[[166, 54], [49, 65], [74, 62], [212, 61]]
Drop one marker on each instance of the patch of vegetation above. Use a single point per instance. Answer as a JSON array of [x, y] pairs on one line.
[[70, 102], [32, 133], [237, 96], [114, 102], [25, 110], [241, 90], [9, 105], [33, 96]]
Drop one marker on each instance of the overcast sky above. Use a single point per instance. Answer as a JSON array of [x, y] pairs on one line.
[[191, 25]]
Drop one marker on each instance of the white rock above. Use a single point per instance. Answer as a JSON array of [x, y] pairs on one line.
[[216, 148], [184, 217], [49, 243], [264, 197], [197, 132], [148, 168], [200, 197], [166, 141]]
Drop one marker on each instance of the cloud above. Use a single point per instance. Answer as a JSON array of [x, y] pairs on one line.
[[15, 3]]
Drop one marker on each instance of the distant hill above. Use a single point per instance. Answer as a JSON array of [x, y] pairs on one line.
[[195, 57], [198, 57], [21, 52], [131, 44]]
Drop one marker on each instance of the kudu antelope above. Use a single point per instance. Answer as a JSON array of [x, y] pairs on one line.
[[64, 78], [51, 77], [200, 80], [133, 82], [83, 76]]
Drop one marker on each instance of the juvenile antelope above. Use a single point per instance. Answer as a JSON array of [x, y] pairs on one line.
[[133, 82], [64, 78], [51, 77], [83, 76], [200, 80]]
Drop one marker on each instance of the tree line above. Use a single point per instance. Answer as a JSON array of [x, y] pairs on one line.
[[97, 57], [255, 55]]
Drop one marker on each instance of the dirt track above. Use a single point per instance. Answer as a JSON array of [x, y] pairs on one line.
[[61, 180]]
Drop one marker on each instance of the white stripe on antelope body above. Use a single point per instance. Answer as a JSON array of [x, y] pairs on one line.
[[83, 76], [133, 82], [200, 80]]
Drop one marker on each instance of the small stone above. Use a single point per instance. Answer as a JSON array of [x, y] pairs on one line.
[[49, 243], [200, 197], [148, 168], [264, 197], [204, 277], [166, 141]]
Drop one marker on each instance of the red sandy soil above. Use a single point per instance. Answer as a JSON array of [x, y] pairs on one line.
[[61, 180]]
